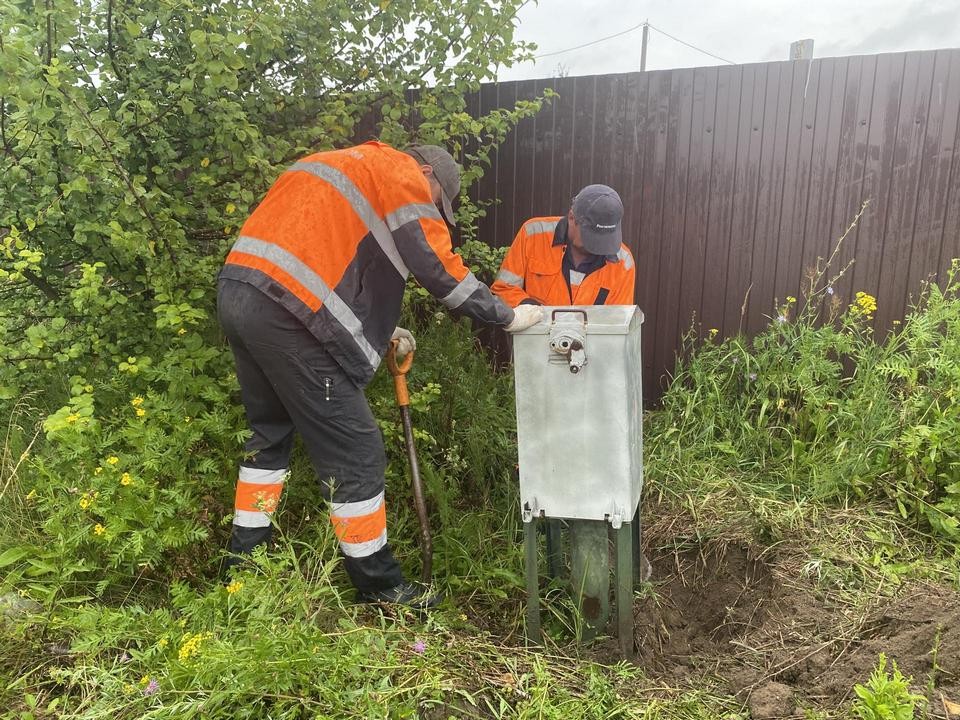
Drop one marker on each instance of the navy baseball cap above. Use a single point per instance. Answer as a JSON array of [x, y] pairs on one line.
[[598, 212]]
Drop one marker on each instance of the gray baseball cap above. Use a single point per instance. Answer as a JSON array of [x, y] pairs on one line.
[[598, 211], [445, 170]]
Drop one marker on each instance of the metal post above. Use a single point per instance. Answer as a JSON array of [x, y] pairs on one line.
[[638, 559], [625, 570], [590, 573], [554, 547], [533, 583], [801, 50], [643, 46]]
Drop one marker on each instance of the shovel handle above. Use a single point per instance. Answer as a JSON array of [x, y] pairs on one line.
[[399, 371], [401, 368]]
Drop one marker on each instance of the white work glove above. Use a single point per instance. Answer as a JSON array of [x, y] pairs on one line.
[[406, 344], [525, 316]]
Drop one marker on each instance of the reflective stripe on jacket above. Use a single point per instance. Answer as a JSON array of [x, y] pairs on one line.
[[334, 240], [532, 271]]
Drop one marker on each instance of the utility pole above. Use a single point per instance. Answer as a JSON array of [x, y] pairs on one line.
[[643, 46], [801, 50]]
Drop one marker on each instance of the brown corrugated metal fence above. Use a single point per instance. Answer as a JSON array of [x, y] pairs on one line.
[[736, 178]]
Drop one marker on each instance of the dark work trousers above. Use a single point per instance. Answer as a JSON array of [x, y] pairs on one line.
[[288, 382]]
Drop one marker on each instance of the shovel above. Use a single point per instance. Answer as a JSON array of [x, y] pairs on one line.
[[399, 372]]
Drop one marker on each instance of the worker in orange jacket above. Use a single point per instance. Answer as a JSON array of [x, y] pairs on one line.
[[309, 299], [579, 259]]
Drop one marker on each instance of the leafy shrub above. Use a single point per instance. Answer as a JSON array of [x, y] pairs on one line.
[[816, 406], [885, 696]]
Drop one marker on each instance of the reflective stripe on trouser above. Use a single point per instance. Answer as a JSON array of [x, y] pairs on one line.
[[258, 494], [361, 526], [288, 381]]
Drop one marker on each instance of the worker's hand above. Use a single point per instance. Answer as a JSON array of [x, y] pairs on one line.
[[405, 342], [525, 316]]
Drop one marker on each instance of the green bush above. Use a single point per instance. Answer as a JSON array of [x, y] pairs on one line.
[[817, 407], [885, 696]]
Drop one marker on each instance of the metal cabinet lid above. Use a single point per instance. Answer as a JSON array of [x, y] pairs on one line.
[[600, 319]]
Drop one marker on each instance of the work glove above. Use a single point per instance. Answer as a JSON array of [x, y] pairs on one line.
[[525, 316], [406, 344]]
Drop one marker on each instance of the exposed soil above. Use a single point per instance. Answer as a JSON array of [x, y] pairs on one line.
[[781, 646]]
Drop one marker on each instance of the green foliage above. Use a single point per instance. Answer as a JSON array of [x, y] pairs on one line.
[[816, 407], [136, 139], [483, 259], [885, 696], [280, 642]]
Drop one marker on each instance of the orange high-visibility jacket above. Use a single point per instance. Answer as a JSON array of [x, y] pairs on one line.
[[334, 240], [532, 271]]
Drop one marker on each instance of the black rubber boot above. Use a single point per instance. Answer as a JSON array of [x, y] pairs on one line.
[[411, 594]]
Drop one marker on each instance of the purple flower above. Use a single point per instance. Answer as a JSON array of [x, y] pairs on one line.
[[753, 376], [419, 646], [830, 290], [781, 319], [124, 658], [151, 688]]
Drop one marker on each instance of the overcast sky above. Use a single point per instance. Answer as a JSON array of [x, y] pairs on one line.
[[741, 31]]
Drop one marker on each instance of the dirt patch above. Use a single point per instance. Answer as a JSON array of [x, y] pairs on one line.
[[727, 612], [707, 599], [773, 700], [920, 632]]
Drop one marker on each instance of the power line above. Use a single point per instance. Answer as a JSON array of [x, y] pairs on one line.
[[682, 42], [592, 42], [630, 30]]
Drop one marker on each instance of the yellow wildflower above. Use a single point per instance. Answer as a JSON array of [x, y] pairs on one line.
[[113, 460], [235, 586], [187, 419], [125, 479], [162, 642], [141, 412], [145, 680], [72, 418], [230, 208], [265, 501], [713, 332], [228, 229], [791, 299], [205, 162], [863, 305], [97, 470], [866, 302], [137, 401], [85, 501], [182, 331], [190, 645], [99, 529], [31, 495]]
